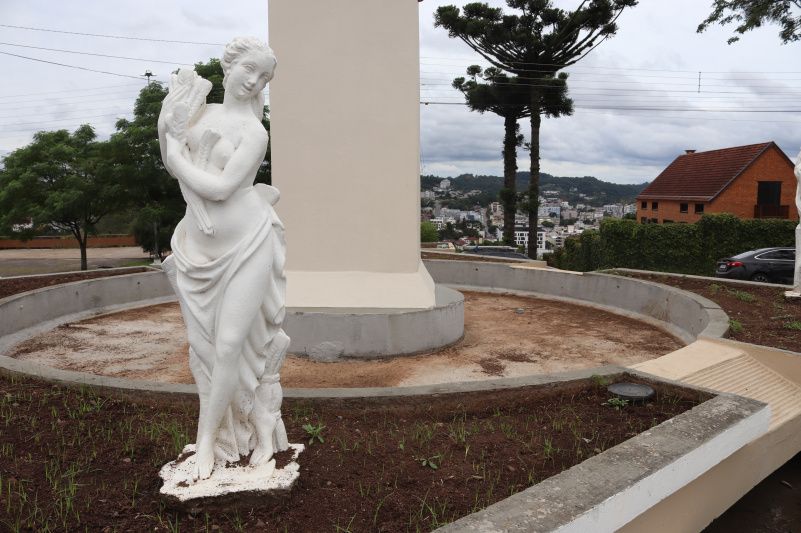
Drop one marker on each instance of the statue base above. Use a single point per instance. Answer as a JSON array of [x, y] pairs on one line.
[[229, 486]]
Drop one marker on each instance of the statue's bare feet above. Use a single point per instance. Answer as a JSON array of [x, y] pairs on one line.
[[204, 461], [262, 453]]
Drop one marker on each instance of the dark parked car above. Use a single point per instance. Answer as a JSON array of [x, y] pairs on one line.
[[768, 265], [495, 251]]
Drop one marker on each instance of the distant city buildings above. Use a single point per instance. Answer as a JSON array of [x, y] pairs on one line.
[[557, 218]]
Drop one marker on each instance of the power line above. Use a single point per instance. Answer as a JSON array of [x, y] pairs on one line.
[[3, 96], [97, 55], [644, 108], [108, 36], [73, 119], [81, 110], [584, 66], [72, 66]]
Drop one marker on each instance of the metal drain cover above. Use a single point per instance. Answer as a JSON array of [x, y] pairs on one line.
[[634, 392]]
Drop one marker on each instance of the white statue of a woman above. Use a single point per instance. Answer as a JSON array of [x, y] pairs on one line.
[[227, 265]]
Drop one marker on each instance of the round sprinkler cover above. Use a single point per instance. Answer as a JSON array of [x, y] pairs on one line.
[[634, 392]]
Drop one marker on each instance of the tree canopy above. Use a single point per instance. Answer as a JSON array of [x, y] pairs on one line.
[[61, 180], [750, 14], [533, 43]]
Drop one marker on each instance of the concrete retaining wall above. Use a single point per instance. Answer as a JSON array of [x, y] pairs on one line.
[[377, 333], [382, 332], [684, 314], [94, 296]]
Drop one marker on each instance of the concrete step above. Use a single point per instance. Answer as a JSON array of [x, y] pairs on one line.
[[747, 377]]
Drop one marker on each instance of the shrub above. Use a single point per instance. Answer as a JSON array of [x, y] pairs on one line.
[[681, 248]]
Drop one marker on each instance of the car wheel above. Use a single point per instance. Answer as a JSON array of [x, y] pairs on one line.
[[760, 277]]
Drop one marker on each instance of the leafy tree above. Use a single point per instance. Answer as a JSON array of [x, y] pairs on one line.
[[428, 232], [449, 233], [138, 165], [750, 14], [534, 45], [547, 224], [62, 181]]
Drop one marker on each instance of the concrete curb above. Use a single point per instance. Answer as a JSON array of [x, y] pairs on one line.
[[683, 314], [607, 491], [10, 365], [68, 272], [711, 279]]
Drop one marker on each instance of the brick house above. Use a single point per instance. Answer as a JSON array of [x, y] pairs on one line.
[[754, 181]]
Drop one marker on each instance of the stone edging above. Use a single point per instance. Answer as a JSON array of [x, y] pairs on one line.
[[681, 313], [607, 491], [694, 276]]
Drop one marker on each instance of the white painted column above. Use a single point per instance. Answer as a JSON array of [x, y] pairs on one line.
[[345, 123]]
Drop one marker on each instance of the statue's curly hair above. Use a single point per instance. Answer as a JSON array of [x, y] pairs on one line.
[[236, 48]]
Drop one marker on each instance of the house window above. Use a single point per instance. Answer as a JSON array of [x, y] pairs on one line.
[[699, 209], [654, 221], [644, 205], [643, 220], [667, 221], [654, 206], [683, 208]]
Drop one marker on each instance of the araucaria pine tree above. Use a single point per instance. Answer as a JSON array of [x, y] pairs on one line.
[[507, 97], [533, 43]]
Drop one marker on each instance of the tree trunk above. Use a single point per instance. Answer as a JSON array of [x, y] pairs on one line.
[[82, 240], [509, 192], [534, 184]]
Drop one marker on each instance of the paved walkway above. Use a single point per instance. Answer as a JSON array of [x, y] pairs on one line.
[[44, 260]]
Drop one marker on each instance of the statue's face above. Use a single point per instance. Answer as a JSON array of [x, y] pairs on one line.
[[249, 74]]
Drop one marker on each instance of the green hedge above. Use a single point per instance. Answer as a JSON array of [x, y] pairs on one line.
[[681, 248]]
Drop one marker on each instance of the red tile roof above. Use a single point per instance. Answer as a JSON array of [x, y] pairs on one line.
[[703, 175]]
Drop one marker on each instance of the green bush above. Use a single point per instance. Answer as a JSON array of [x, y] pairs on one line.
[[428, 232], [681, 248]]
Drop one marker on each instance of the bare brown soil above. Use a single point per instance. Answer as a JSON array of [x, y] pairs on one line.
[[505, 335], [761, 314], [9, 287], [79, 460]]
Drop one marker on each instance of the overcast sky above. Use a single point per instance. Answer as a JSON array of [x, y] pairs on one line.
[[651, 65]]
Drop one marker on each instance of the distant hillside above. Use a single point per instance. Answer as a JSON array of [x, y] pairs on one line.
[[569, 189]]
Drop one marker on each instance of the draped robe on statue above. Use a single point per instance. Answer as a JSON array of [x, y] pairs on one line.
[[200, 287]]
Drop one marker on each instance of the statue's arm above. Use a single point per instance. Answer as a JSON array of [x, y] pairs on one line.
[[245, 159]]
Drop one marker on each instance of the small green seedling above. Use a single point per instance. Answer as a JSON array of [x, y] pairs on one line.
[[430, 462], [617, 403], [743, 296], [795, 324], [735, 325], [600, 381], [314, 432]]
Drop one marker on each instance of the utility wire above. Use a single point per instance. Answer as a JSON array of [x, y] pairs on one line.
[[73, 119], [73, 66], [97, 55], [583, 66], [107, 36], [3, 96], [643, 108]]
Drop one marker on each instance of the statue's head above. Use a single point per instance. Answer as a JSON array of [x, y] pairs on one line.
[[250, 63]]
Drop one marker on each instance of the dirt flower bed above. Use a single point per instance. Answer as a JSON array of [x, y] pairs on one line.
[[757, 314], [78, 459], [425, 254], [11, 286]]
